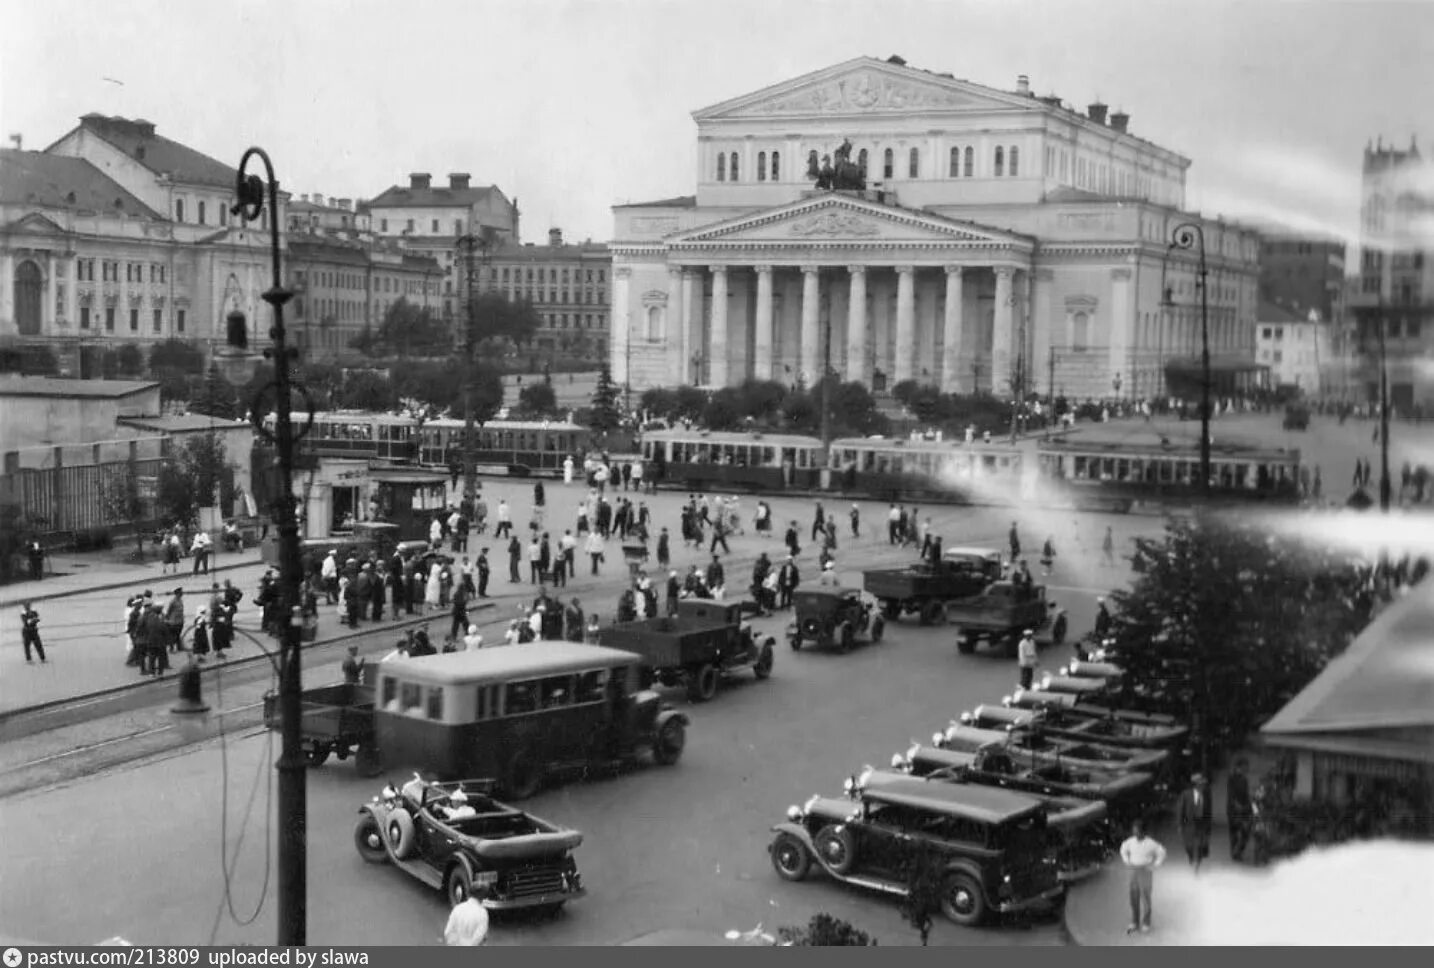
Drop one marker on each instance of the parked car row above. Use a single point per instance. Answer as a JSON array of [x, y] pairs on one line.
[[1009, 803]]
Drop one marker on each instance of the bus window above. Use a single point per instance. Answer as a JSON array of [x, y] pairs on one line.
[[435, 703], [390, 693], [555, 691], [591, 686], [410, 699], [520, 697]]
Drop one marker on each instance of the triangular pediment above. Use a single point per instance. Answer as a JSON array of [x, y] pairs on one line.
[[835, 217], [37, 224], [866, 86]]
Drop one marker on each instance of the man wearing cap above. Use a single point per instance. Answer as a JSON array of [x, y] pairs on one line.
[[329, 572], [473, 641], [1195, 815], [1027, 658], [829, 575]]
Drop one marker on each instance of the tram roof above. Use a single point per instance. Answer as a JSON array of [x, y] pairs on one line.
[[350, 416], [1182, 448], [732, 438], [535, 659], [957, 446], [452, 422]]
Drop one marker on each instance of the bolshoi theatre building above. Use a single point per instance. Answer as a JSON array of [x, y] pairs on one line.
[[907, 225]]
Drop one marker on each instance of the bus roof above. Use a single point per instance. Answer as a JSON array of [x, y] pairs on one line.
[[543, 658], [956, 446], [733, 439]]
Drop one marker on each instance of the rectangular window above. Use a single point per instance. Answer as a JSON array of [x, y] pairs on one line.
[[435, 702], [201, 213], [435, 226], [179, 321], [158, 320], [519, 698], [410, 225], [134, 320], [84, 317], [458, 226], [383, 225], [179, 210], [109, 319]]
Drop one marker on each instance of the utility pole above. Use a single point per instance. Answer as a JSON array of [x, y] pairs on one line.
[[1385, 486], [826, 379], [469, 244]]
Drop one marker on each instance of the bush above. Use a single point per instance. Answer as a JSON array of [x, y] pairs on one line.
[[825, 931]]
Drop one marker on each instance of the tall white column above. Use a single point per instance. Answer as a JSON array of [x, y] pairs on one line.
[[905, 321], [621, 324], [690, 372], [1120, 320], [676, 328], [762, 342], [72, 294], [1001, 333], [856, 326], [951, 330], [717, 349], [811, 309], [1043, 340], [7, 290], [52, 295]]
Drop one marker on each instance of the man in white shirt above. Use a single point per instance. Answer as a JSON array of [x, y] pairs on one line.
[[329, 571], [1028, 658], [473, 641], [505, 520], [1141, 854], [467, 925]]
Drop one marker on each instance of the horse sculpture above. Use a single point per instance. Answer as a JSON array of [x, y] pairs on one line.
[[838, 172]]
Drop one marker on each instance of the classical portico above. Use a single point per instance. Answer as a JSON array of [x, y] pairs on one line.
[[883, 294]]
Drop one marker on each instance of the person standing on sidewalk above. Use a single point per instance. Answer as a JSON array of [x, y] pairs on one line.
[[1027, 657], [30, 632], [1141, 855], [1195, 815]]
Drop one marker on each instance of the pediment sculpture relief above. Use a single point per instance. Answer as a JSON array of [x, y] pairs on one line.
[[835, 223], [866, 91]]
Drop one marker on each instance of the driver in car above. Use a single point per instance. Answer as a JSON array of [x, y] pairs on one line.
[[457, 807]]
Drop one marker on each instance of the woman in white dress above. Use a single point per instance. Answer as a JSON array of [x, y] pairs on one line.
[[567, 470], [433, 590]]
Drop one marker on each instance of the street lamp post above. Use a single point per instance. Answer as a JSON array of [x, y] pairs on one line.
[[1190, 235], [292, 765], [1385, 486], [471, 245], [1115, 385]]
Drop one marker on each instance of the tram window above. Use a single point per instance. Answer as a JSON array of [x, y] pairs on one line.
[[1122, 469], [390, 692], [591, 686], [520, 697], [435, 703], [555, 691], [487, 706], [1080, 469]]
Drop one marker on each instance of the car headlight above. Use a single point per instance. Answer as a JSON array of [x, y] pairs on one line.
[[1046, 683], [967, 718], [1068, 670], [849, 785], [898, 762], [937, 739], [794, 813], [1007, 700]]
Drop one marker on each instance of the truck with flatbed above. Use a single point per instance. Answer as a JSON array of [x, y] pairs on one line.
[[1002, 613], [704, 641], [926, 587]]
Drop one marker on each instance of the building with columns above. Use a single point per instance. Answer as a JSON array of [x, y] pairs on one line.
[[1003, 243]]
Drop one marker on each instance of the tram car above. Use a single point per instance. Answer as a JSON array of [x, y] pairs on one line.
[[356, 435], [894, 469], [519, 448], [1165, 471], [700, 460]]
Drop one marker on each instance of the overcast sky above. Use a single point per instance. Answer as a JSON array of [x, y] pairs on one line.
[[574, 105]]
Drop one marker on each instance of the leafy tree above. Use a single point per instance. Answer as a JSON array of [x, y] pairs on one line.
[[215, 396], [366, 390], [120, 502], [365, 340], [723, 410], [606, 415], [194, 477], [1226, 622], [659, 403], [690, 403], [131, 360], [762, 400], [825, 931], [411, 330], [495, 318], [177, 354], [538, 399]]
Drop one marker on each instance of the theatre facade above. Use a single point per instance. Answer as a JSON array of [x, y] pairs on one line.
[[993, 241]]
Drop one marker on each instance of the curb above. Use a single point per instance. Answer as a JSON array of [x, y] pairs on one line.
[[12, 714], [108, 585]]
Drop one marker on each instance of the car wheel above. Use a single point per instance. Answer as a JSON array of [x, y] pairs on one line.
[[845, 637], [702, 684], [763, 667], [962, 901], [368, 838], [671, 738], [965, 644], [522, 778], [1058, 630], [790, 858], [796, 642], [400, 833], [878, 628], [457, 885], [837, 847], [930, 612]]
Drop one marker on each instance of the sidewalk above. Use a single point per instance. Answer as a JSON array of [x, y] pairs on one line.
[[72, 573], [1098, 910]]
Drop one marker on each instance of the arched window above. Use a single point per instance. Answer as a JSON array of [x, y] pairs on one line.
[[1000, 161], [654, 322], [1015, 160], [913, 165], [721, 166], [776, 166], [1080, 332], [888, 168], [970, 166], [179, 210], [732, 166], [201, 213], [861, 159], [29, 289], [761, 166], [955, 162]]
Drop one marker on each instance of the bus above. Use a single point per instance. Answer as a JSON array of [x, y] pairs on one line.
[[516, 447], [1166, 471], [701, 459]]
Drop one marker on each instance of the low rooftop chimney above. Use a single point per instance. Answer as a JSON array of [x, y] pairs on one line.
[[1096, 112], [420, 180], [1023, 85], [347, 204], [1052, 99], [1120, 121], [459, 180], [318, 200], [555, 236]]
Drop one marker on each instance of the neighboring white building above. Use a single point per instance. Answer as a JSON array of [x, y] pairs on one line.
[[1297, 349], [1003, 240]]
